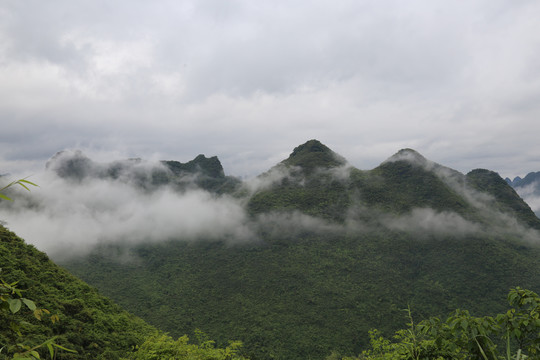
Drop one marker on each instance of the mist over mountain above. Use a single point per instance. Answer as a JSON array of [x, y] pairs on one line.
[[82, 203], [529, 189], [299, 261], [203, 172]]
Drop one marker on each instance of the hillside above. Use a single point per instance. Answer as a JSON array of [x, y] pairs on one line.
[[89, 323], [333, 252]]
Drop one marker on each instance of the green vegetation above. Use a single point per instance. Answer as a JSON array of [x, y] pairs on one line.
[[337, 252], [22, 182], [85, 321], [302, 291], [305, 296], [77, 322], [514, 334], [164, 347], [12, 302], [400, 186]]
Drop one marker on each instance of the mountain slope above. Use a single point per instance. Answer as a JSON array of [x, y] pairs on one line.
[[506, 198], [303, 297], [89, 323]]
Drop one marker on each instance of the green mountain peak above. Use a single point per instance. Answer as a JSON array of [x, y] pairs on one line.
[[312, 155], [408, 155]]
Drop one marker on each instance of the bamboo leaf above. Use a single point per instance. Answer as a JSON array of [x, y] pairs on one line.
[[51, 350], [508, 345], [24, 186], [481, 350], [27, 182], [2, 196], [63, 348]]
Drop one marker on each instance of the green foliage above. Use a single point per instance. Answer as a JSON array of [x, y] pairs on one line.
[[522, 322], [162, 346], [463, 336], [84, 321], [12, 302], [22, 182]]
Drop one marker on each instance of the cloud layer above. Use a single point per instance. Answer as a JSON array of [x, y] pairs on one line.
[[457, 81], [67, 218]]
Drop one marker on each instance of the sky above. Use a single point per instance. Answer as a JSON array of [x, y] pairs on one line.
[[458, 81]]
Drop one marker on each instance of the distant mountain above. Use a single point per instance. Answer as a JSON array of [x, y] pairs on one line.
[[529, 179], [529, 189], [335, 251], [203, 172]]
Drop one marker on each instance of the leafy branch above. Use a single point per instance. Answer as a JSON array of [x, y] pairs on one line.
[[22, 182]]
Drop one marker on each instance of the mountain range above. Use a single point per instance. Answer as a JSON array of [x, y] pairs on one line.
[[319, 253]]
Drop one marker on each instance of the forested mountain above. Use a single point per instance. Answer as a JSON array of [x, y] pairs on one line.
[[328, 252]]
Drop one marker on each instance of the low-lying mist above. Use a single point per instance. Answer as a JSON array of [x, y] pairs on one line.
[[68, 216], [65, 218], [531, 194]]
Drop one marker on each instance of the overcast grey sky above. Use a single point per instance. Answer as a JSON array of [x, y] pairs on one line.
[[458, 81]]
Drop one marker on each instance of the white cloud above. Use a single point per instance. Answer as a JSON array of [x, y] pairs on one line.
[[430, 222], [65, 218], [531, 194]]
